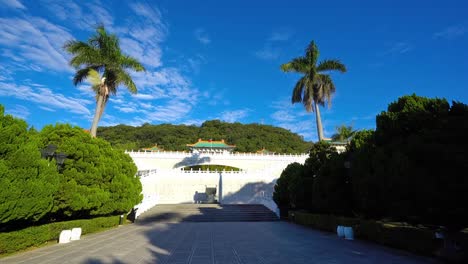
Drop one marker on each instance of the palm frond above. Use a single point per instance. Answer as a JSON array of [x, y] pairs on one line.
[[308, 99], [296, 65], [325, 88], [331, 65], [94, 77], [124, 78], [80, 76], [297, 91], [312, 54], [132, 63]]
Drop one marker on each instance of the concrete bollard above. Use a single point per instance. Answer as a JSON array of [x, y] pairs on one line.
[[65, 236], [340, 231], [75, 233], [348, 233]]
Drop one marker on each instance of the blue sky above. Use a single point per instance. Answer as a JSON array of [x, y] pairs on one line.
[[220, 59]]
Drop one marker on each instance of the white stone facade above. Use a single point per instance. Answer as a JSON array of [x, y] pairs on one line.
[[165, 182]]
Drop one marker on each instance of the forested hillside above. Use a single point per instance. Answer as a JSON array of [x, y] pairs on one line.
[[246, 137]]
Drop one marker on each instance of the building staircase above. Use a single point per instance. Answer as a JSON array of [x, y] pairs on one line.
[[207, 213]]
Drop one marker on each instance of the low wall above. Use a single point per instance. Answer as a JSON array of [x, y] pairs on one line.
[[233, 187]]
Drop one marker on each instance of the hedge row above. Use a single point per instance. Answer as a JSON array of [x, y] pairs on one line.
[[39, 235], [420, 240]]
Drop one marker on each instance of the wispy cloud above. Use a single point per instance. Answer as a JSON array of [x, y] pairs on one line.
[[127, 109], [166, 83], [451, 32], [268, 52], [282, 34], [293, 118], [271, 49], [142, 96], [36, 41], [196, 122], [12, 4], [202, 36], [172, 111], [195, 63], [19, 111], [235, 115], [398, 48], [83, 15], [45, 97], [283, 116]]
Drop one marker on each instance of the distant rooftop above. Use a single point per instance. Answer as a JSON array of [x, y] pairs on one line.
[[154, 148], [218, 144], [264, 151]]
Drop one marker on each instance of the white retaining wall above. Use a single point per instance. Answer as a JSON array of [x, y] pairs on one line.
[[164, 182]]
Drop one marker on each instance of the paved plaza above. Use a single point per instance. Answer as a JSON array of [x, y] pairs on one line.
[[214, 242]]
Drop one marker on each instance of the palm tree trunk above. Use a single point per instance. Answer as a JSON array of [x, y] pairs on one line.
[[104, 103], [97, 115], [319, 121]]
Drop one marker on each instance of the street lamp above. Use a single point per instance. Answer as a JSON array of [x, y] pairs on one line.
[[49, 153], [347, 164]]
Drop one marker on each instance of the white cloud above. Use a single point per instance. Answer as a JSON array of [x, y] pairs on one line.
[[282, 34], [283, 116], [173, 111], [19, 111], [143, 96], [398, 48], [142, 34], [149, 54], [126, 109], [293, 118], [196, 122], [83, 15], [268, 52], [271, 49], [452, 32], [147, 11], [166, 83], [45, 97], [306, 128], [12, 4], [233, 116], [146, 105], [202, 36], [117, 100], [35, 40]]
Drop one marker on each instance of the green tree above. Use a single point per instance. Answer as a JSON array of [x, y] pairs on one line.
[[28, 182], [95, 179], [343, 133], [316, 86], [102, 54], [282, 189]]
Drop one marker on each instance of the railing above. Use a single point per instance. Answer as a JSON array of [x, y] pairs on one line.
[[189, 154], [213, 171]]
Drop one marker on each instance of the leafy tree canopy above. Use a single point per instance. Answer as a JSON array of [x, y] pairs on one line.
[[246, 137]]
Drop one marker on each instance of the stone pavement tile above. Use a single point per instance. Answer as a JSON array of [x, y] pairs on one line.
[[201, 260], [226, 243]]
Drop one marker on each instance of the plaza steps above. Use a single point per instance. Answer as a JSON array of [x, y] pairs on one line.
[[207, 213]]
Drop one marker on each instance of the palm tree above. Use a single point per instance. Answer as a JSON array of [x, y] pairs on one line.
[[316, 86], [343, 133], [102, 54]]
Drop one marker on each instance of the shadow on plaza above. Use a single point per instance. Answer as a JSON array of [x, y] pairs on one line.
[[195, 159], [98, 261], [169, 236], [165, 241]]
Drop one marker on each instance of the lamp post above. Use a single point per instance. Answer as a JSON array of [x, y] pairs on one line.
[[49, 153]]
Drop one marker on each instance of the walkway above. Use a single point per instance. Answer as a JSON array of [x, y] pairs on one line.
[[220, 242]]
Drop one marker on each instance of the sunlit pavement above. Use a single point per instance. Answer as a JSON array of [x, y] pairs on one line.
[[220, 242]]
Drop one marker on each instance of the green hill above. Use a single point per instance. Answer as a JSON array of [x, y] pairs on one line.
[[246, 137]]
